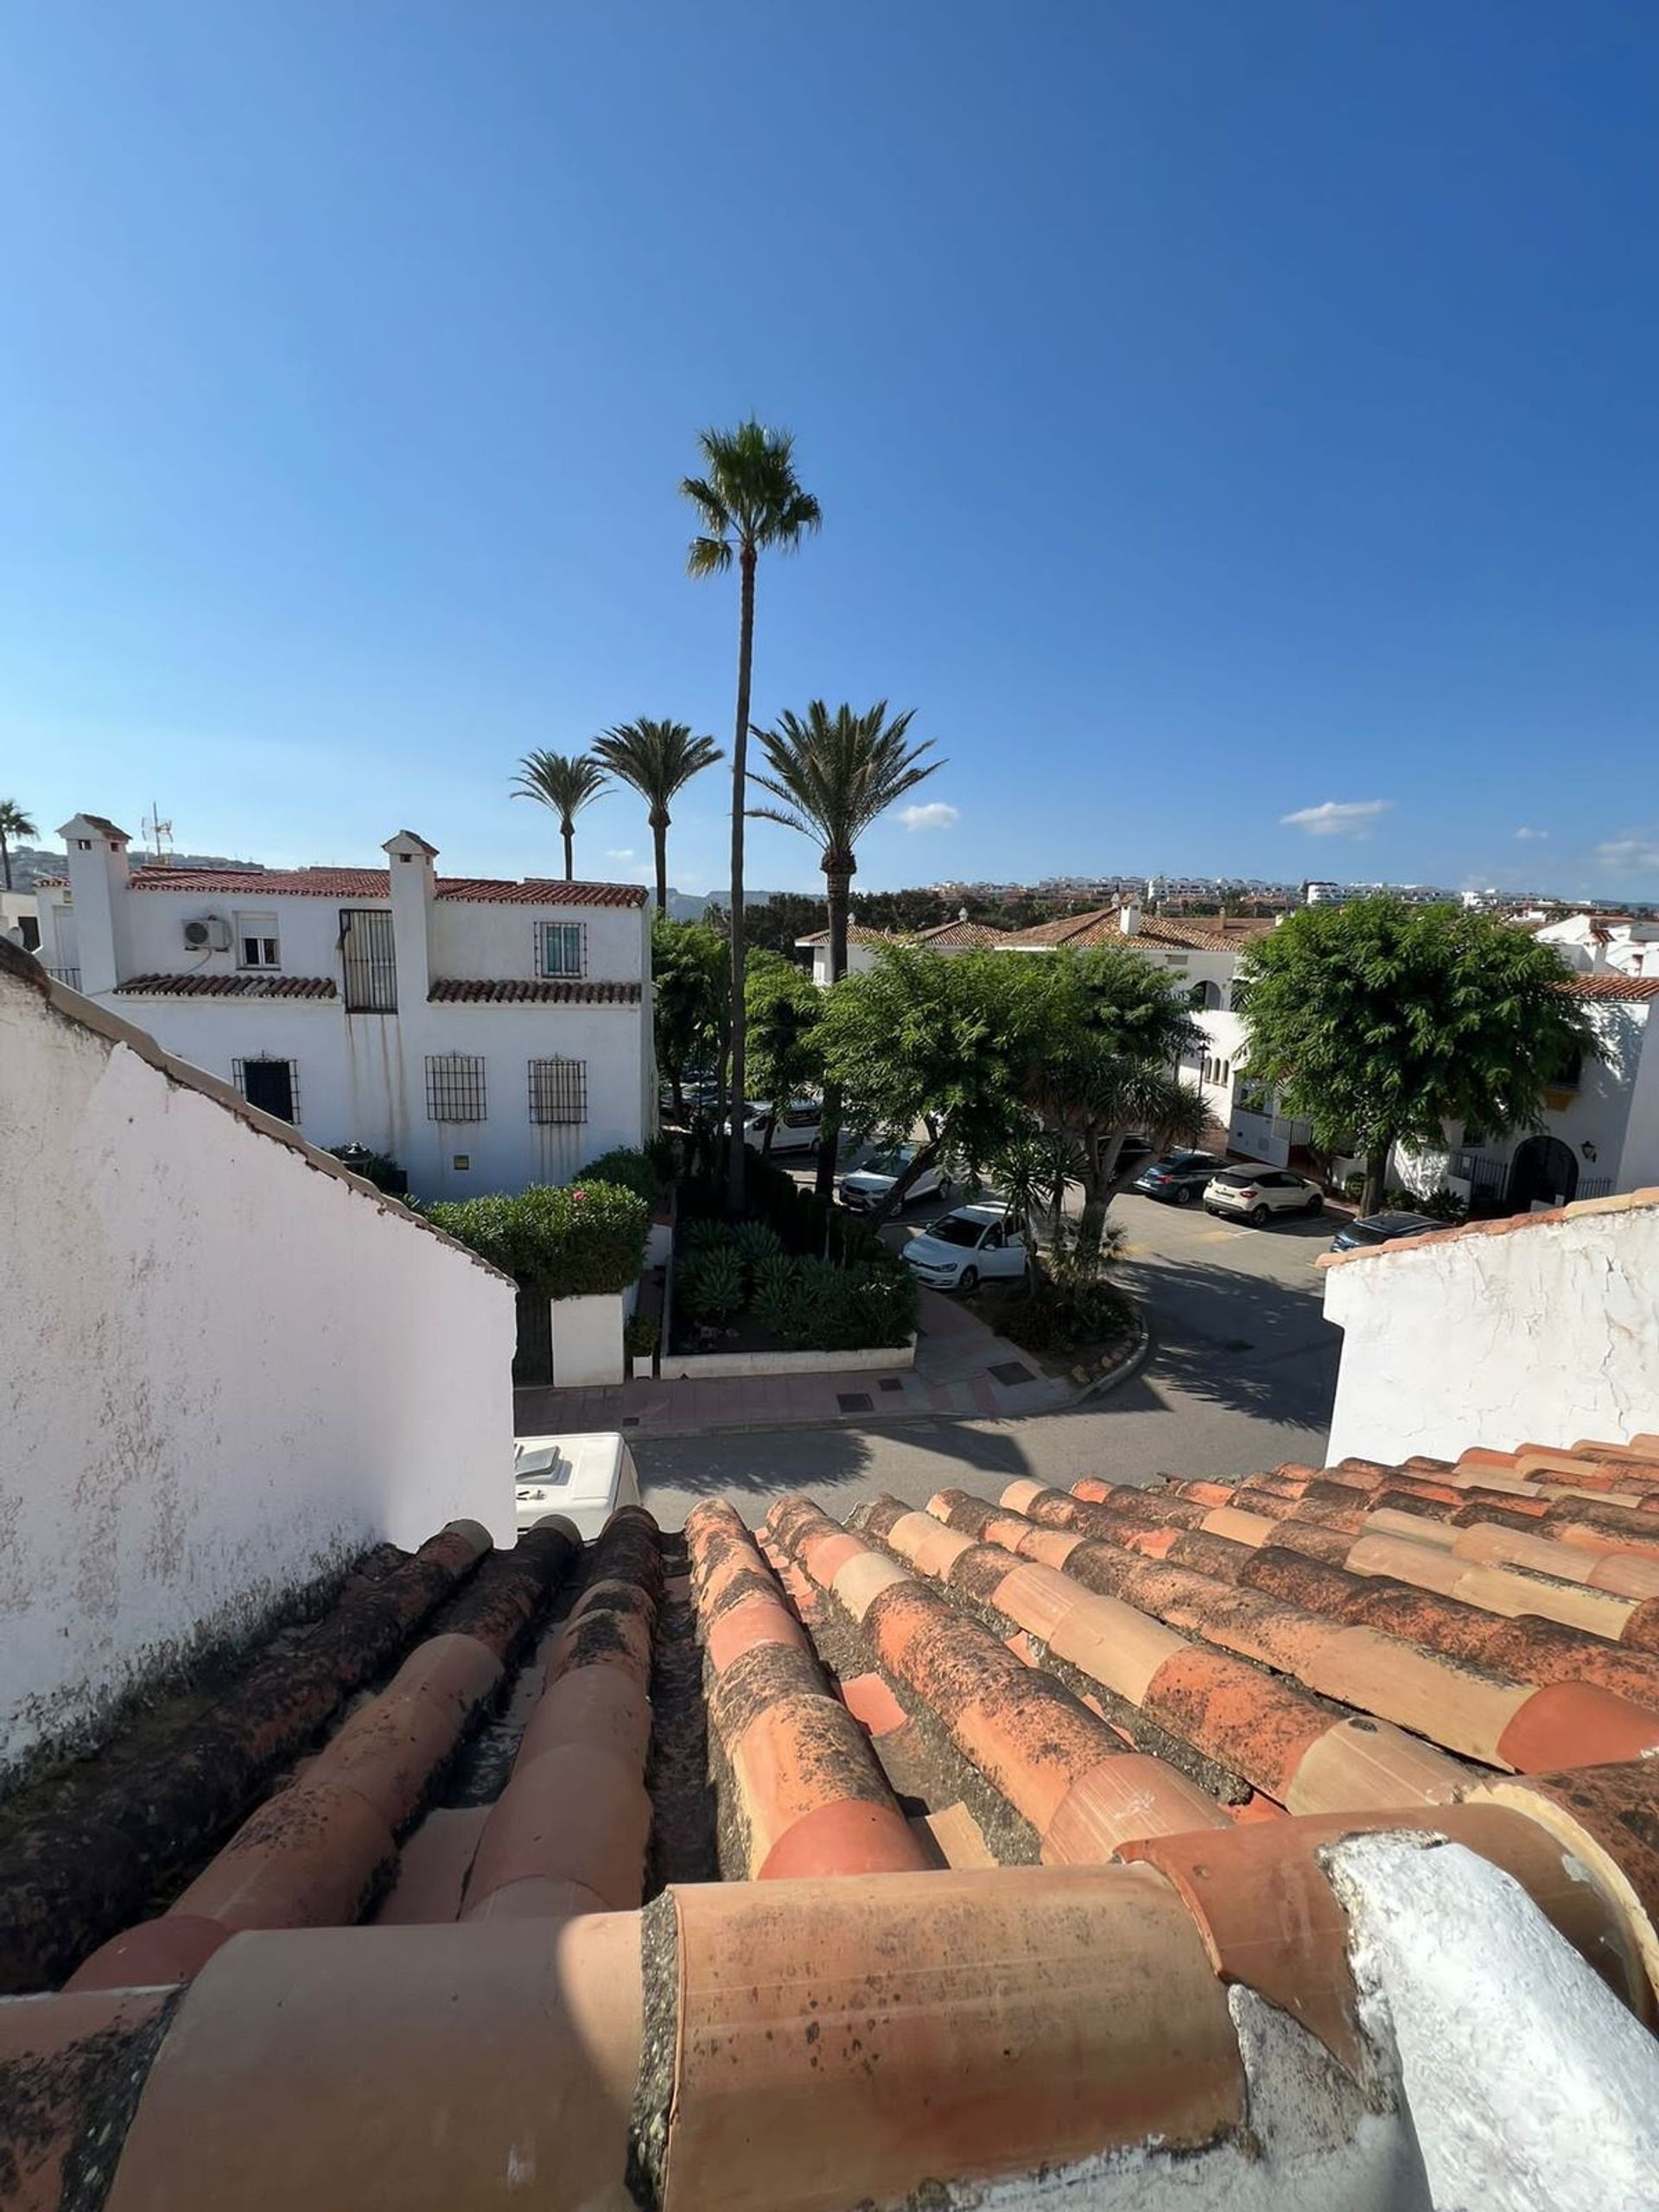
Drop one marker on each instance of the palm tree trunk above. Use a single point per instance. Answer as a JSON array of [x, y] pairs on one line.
[[740, 792], [5, 859], [569, 831], [837, 885], [659, 834]]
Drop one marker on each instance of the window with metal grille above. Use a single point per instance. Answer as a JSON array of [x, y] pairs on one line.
[[369, 958], [558, 1091], [455, 1087], [271, 1085], [561, 948]]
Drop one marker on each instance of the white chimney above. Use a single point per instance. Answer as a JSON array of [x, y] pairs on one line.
[[1129, 918], [413, 888], [98, 872], [961, 913]]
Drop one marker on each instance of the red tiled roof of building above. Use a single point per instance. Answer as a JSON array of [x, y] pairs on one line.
[[1606, 986], [1505, 1225], [376, 883], [1097, 1745], [507, 990], [956, 935], [226, 987], [1103, 925]]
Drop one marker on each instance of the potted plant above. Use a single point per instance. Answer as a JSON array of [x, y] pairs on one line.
[[640, 1340]]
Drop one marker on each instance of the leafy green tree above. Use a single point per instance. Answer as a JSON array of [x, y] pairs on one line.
[[691, 1005], [748, 501], [565, 783], [1380, 1022], [783, 1006], [833, 776], [658, 760], [14, 824], [919, 1043]]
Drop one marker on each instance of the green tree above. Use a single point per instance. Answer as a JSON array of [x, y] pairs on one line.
[[784, 1007], [748, 501], [691, 1000], [922, 1042], [658, 760], [833, 776], [14, 823], [1380, 1022], [564, 782]]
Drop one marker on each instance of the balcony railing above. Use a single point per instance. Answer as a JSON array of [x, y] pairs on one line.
[[69, 975]]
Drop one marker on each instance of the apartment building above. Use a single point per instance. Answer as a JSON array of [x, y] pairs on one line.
[[485, 1035]]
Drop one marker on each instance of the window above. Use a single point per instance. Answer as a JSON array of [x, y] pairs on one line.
[[256, 942], [272, 1085], [558, 1091], [455, 1087], [369, 958], [1206, 997], [560, 949]]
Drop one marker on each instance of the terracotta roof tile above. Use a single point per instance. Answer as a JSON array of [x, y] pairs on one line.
[[226, 987], [515, 991], [376, 883], [1621, 1202], [996, 1804], [1103, 925], [1613, 987]]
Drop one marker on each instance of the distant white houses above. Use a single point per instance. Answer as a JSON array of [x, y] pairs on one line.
[[863, 945], [485, 1035]]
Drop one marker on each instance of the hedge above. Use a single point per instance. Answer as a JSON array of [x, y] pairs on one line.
[[633, 1169], [576, 1240]]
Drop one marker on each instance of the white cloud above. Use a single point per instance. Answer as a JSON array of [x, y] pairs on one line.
[[1338, 817], [937, 816], [620, 853], [1532, 836], [1637, 854]]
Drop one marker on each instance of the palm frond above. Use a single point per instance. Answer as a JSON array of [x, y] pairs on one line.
[[747, 498], [657, 758], [566, 782], [840, 771]]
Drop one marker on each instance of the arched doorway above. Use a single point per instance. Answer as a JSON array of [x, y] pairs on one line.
[[1544, 1171]]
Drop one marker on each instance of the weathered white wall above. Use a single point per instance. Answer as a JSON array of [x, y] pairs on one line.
[[1538, 1329], [233, 1367]]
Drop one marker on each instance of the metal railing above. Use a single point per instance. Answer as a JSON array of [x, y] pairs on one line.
[[69, 975], [1594, 1186]]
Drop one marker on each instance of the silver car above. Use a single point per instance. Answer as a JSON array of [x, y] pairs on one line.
[[869, 1184], [1257, 1194]]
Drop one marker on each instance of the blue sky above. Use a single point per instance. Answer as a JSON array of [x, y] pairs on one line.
[[1219, 413]]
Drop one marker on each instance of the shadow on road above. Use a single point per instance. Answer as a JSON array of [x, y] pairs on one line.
[[1242, 1341]]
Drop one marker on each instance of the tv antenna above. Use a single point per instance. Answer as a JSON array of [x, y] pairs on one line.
[[160, 834]]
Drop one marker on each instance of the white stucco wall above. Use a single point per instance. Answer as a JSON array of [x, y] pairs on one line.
[[1537, 1330], [232, 1369]]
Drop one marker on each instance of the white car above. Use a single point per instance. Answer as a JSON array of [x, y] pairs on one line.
[[798, 1127], [1257, 1194], [961, 1249], [865, 1186]]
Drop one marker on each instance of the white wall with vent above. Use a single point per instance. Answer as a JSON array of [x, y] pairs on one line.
[[225, 1366]]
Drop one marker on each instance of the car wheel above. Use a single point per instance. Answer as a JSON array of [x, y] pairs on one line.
[[969, 1279], [1259, 1216], [1315, 1206], [1183, 1196]]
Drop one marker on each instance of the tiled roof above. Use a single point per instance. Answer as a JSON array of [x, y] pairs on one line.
[[834, 1865], [460, 990], [376, 883], [1223, 934], [1613, 987], [1505, 1225], [226, 987], [956, 934]]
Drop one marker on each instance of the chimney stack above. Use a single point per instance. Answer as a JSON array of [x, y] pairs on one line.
[[1129, 918]]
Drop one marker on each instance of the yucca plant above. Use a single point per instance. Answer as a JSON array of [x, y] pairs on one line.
[[716, 1283]]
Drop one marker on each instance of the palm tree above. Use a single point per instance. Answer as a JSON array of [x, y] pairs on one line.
[[836, 774], [565, 781], [14, 822], [658, 760], [749, 501]]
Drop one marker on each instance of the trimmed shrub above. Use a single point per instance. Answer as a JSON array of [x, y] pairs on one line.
[[580, 1240], [641, 1336], [633, 1170]]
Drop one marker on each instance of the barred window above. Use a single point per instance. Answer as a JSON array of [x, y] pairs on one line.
[[273, 1085], [559, 948], [558, 1091], [455, 1087]]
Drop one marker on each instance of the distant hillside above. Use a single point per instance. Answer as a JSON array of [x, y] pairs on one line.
[[28, 862]]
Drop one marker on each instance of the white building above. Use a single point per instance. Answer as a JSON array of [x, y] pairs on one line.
[[863, 946], [485, 1035]]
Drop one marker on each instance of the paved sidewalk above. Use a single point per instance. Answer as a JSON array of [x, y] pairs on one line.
[[962, 1368]]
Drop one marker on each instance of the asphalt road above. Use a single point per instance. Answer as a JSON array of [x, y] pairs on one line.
[[1241, 1377]]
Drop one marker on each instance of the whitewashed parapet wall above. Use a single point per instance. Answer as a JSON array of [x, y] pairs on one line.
[[1538, 1329], [225, 1365]]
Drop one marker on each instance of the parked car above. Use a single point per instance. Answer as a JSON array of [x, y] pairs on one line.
[[1382, 1229], [959, 1249], [865, 1187], [1179, 1176], [798, 1127], [1133, 1153], [1257, 1194]]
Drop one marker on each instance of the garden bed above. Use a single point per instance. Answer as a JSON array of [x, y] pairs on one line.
[[1072, 1355]]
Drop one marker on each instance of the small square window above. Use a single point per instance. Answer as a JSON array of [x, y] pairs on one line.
[[558, 1091], [559, 949], [455, 1087]]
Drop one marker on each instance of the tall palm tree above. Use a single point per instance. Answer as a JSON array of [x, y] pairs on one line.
[[658, 760], [14, 822], [834, 775], [748, 501], [565, 781]]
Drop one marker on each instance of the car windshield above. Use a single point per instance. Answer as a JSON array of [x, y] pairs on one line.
[[951, 1228], [1367, 1232], [885, 1163]]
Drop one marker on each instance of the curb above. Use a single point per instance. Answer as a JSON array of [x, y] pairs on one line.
[[1132, 1362]]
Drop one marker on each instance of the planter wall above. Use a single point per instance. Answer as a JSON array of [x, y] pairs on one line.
[[588, 1340], [710, 1366]]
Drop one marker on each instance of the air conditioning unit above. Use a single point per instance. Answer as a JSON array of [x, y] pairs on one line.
[[211, 935]]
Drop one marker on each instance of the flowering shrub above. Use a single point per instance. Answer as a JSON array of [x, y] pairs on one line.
[[577, 1240]]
